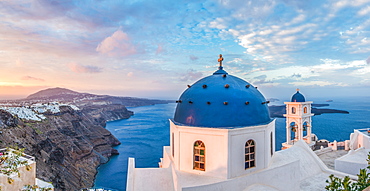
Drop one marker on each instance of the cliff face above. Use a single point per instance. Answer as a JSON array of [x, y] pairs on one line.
[[68, 146]]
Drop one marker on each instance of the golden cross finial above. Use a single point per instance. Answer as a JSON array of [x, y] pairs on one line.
[[297, 89], [220, 60]]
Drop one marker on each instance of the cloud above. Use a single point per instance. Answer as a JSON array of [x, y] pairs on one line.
[[364, 11], [258, 10], [19, 63], [218, 23], [32, 78], [296, 75], [191, 75], [262, 80], [318, 83], [130, 74], [159, 49], [119, 44], [193, 58], [368, 60], [260, 77], [77, 68]]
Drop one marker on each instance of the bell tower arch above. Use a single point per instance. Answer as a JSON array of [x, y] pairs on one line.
[[298, 120]]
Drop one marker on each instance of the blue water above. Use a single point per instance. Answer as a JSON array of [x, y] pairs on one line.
[[144, 135]]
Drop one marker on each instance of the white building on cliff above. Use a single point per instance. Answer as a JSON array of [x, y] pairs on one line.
[[26, 166], [222, 138]]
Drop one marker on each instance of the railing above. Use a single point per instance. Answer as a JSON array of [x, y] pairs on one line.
[[6, 151], [364, 129]]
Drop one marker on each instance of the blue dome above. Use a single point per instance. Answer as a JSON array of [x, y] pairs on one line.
[[298, 97], [222, 100]]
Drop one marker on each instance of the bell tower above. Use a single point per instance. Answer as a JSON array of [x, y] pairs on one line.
[[298, 121]]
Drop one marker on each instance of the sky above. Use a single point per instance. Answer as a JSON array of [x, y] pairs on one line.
[[153, 49]]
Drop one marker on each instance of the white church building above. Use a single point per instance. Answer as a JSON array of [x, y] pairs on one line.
[[222, 138]]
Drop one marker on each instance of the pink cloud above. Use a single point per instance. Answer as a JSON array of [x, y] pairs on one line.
[[77, 68], [192, 57], [191, 75], [130, 74], [32, 78], [119, 44], [159, 49]]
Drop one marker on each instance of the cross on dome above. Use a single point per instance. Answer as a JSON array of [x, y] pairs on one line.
[[220, 61]]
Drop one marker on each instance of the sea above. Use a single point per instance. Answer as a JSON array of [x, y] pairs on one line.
[[145, 133]]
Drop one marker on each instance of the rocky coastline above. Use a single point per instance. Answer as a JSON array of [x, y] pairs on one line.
[[69, 145], [65, 131]]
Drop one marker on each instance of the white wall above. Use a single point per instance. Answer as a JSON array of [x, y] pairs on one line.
[[225, 148], [270, 177], [353, 161], [215, 141], [28, 177], [359, 139], [238, 137]]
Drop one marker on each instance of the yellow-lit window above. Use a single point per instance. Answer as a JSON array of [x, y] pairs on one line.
[[199, 156], [250, 155], [305, 110], [293, 110]]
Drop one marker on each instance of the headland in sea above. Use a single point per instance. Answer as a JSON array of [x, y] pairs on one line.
[[144, 134]]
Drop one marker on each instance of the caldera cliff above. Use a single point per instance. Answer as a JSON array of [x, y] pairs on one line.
[[65, 132], [68, 146]]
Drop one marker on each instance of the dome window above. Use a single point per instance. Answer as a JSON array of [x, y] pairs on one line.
[[204, 86], [250, 160], [225, 103], [199, 156], [209, 103], [247, 103], [227, 86], [247, 86]]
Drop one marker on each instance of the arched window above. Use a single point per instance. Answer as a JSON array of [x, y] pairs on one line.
[[293, 127], [250, 154], [199, 156], [305, 125], [293, 110], [305, 110]]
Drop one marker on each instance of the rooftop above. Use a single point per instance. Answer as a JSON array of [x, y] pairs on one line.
[[222, 100]]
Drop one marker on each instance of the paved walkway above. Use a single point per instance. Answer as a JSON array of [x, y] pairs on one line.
[[329, 157]]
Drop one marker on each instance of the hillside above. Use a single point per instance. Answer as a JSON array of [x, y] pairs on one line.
[[52, 93], [64, 130], [82, 99]]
